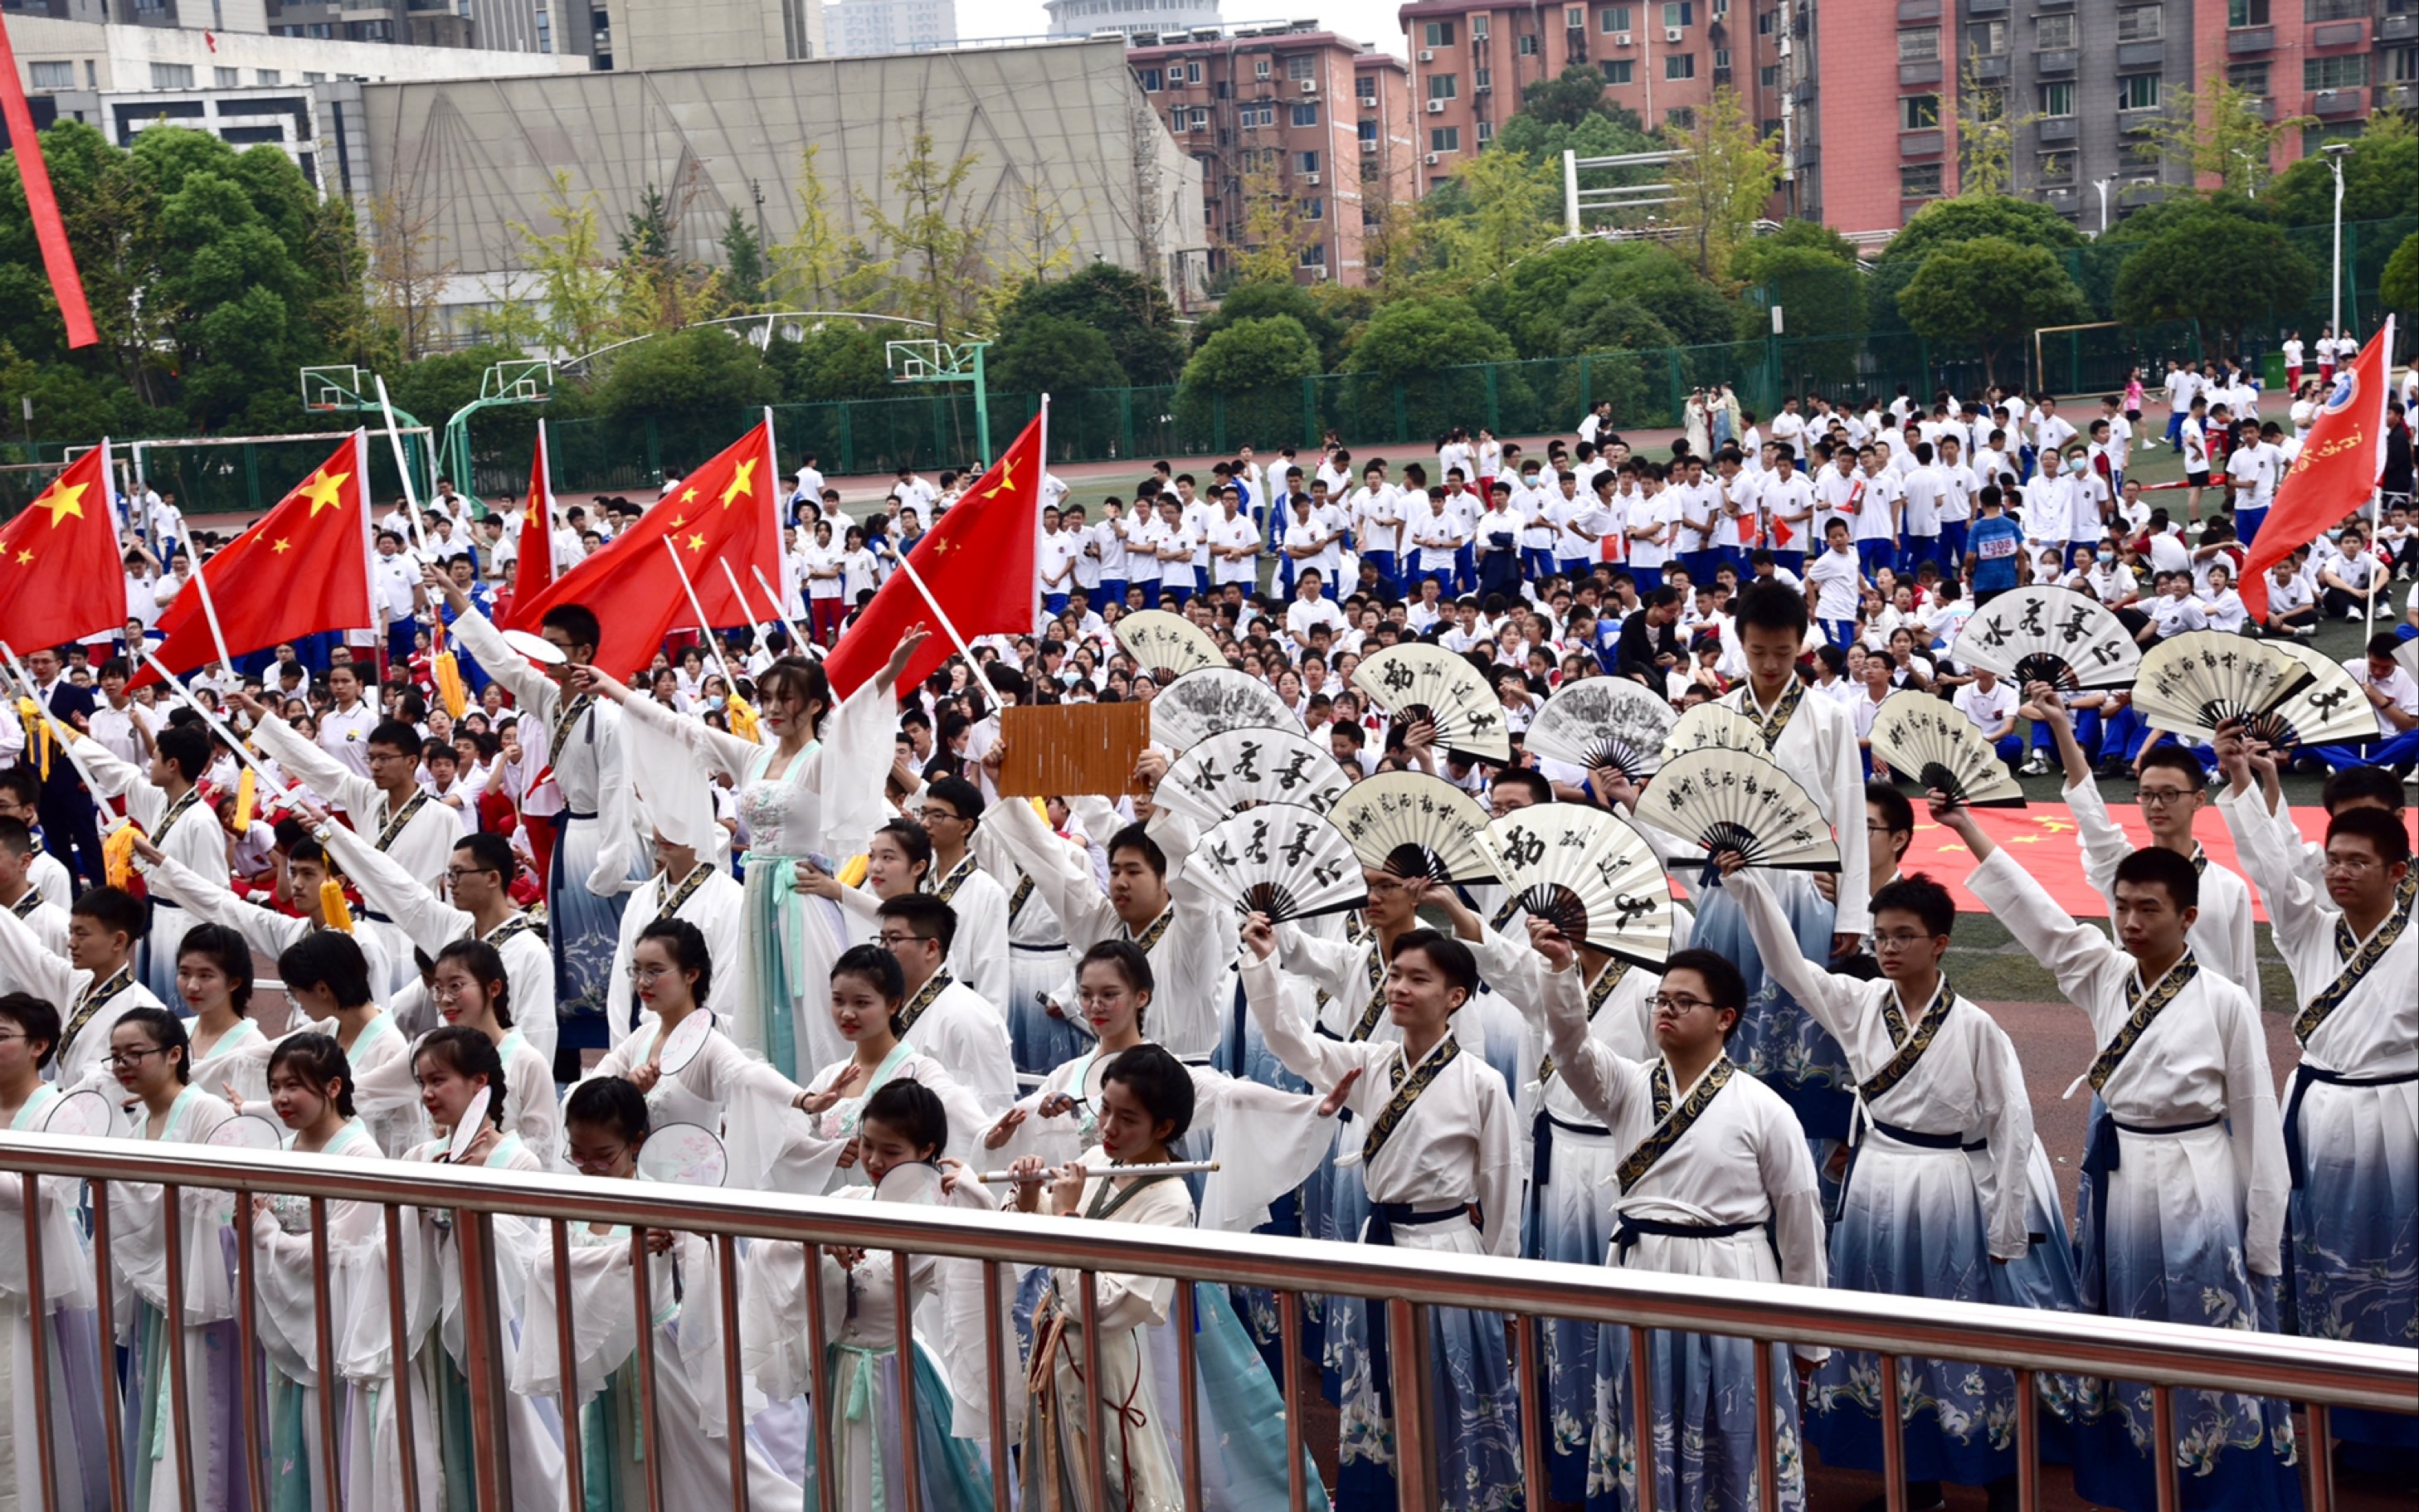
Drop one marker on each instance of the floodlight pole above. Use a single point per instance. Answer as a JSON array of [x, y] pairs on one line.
[[982, 406]]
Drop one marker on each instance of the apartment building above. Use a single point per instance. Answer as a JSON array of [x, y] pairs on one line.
[[868, 28], [1307, 116]]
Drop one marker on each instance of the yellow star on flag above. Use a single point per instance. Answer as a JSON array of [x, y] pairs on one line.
[[24, 557], [1007, 477], [324, 490], [679, 520], [742, 482], [696, 543], [64, 502], [281, 546], [689, 496]]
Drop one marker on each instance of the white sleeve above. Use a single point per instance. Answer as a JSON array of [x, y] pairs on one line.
[[431, 922]]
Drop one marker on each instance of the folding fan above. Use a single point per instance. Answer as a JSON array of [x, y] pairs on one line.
[[1937, 745], [1416, 825], [2046, 634], [1604, 721], [1715, 727], [2406, 655], [1417, 683], [1727, 800], [1242, 767], [1167, 645], [2205, 678], [1279, 860], [1592, 874], [1212, 701], [2327, 709]]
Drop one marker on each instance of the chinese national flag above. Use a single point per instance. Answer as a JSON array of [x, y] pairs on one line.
[[722, 511], [2334, 473], [303, 568], [61, 575], [978, 564], [534, 567]]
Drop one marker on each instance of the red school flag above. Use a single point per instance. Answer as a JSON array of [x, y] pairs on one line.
[[2334, 473], [978, 561], [61, 577], [534, 569], [303, 568]]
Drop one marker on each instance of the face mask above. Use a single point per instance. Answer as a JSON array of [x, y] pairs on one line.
[[2074, 463], [2107, 557]]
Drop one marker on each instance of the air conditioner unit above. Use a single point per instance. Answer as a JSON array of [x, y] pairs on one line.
[[1484, 89], [1319, 275], [1311, 178], [1436, 107], [1621, 39], [1434, 158], [1674, 34], [1428, 55], [1310, 87]]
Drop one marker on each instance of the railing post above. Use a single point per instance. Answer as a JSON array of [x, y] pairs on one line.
[[483, 1347], [1408, 1354], [37, 1314]]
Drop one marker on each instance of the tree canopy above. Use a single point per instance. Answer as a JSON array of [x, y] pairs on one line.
[[1260, 300], [1131, 312], [2216, 267], [1947, 220], [1989, 291], [1043, 352]]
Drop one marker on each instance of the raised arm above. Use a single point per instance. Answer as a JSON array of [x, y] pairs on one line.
[[25, 964], [1601, 1080], [532, 689], [315, 768], [1835, 1002], [1060, 873], [1316, 1059], [267, 932], [430, 921], [116, 779]]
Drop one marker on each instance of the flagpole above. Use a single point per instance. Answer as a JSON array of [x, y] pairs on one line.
[[402, 468], [941, 614], [797, 646], [210, 612], [730, 683], [1040, 501], [739, 594], [110, 820], [369, 554], [217, 726]]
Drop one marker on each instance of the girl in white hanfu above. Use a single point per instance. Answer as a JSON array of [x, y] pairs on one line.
[[470, 990], [606, 1123], [310, 1089], [151, 1058], [214, 983], [804, 801], [326, 977], [868, 992], [29, 1032]]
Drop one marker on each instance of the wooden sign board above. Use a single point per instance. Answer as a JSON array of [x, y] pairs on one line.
[[1064, 749]]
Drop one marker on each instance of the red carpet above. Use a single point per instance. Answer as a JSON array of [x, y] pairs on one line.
[[2042, 838]]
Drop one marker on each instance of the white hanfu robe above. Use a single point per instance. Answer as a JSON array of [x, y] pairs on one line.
[[1037, 961], [79, 1449], [837, 1125], [530, 1110], [185, 829], [722, 1088], [978, 952], [957, 1026], [289, 1304], [709, 898], [2221, 937], [89, 1008], [268, 932], [45, 920]]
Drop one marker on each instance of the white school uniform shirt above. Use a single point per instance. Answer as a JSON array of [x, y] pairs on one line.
[[1696, 509], [1788, 430], [1109, 540], [1878, 492], [1180, 571], [2205, 1056], [1789, 503], [2181, 386], [1377, 518], [1923, 489], [2175, 616], [1144, 538], [1438, 536], [2400, 691], [1645, 511], [343, 735], [1836, 576], [1988, 711], [1742, 530], [1054, 562], [2195, 443], [2221, 937]]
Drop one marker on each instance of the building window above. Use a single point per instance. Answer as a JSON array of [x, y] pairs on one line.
[[270, 76], [1764, 21], [1525, 45], [1305, 114], [1919, 181], [172, 76], [1365, 89], [1444, 139], [1478, 27], [2402, 65], [1574, 17], [1444, 85], [1314, 255], [2347, 71], [1176, 121], [1201, 117], [1921, 45], [2058, 99], [1148, 78], [2137, 23], [2057, 167], [1193, 73], [1679, 65], [2051, 32], [1486, 132], [1679, 12], [1305, 162], [1612, 19], [1618, 70], [2137, 91], [2246, 13], [1721, 60], [1313, 209], [1918, 113], [2251, 78], [2337, 10], [1768, 76], [1257, 113], [1436, 33], [1259, 68], [1986, 38], [51, 75], [1302, 66], [1482, 79], [1680, 118], [1369, 134], [1220, 91]]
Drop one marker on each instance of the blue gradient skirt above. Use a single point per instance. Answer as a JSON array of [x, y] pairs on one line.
[[1777, 1042], [2351, 1242]]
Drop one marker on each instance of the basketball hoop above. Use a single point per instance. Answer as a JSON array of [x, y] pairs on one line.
[[334, 386]]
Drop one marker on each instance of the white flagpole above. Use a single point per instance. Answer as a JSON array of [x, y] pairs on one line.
[[403, 470], [728, 682], [797, 646], [941, 614], [217, 726], [1040, 499], [110, 821], [740, 593], [210, 613]]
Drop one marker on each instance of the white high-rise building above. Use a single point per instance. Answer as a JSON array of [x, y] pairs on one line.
[[867, 28], [1082, 18]]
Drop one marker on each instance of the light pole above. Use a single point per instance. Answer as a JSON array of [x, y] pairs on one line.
[[2102, 185], [2335, 152]]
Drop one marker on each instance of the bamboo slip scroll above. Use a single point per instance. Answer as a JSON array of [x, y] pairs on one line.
[[1061, 748]]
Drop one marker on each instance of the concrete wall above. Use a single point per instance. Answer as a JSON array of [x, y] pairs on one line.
[[673, 33]]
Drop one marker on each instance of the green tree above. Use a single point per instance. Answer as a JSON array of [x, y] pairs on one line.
[[575, 278], [69, 404], [835, 360], [2399, 286], [743, 265], [823, 267], [1429, 347], [935, 242], [1723, 180], [1262, 302], [1253, 367], [1986, 134], [1049, 352], [2380, 176], [2220, 132], [2223, 269], [696, 386], [1568, 99], [1129, 309], [1274, 233], [1989, 291], [1947, 220], [1508, 213]]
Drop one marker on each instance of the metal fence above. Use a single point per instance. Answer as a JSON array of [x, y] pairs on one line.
[[2322, 1374]]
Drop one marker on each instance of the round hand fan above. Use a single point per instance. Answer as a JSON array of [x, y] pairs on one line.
[[474, 1119], [2327, 709], [1714, 727], [1592, 876], [1279, 860], [914, 1180], [1211, 702], [85, 1115], [247, 1131], [1418, 683], [680, 1046], [1412, 825], [2205, 678], [1167, 645], [1604, 721], [683, 1154], [1937, 745], [1232, 771], [2047, 634], [536, 647], [1727, 800]]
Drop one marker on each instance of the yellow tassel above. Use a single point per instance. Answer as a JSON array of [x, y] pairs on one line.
[[852, 872], [448, 674], [117, 855], [37, 732], [243, 797], [1041, 809], [743, 718], [333, 910]]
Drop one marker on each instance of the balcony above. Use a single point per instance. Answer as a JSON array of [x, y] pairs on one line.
[[1986, 7], [2066, 201], [2334, 104], [2058, 129], [2055, 60], [2339, 34], [1924, 144], [2052, 5], [1919, 72], [2141, 54], [2261, 106], [2401, 28], [2398, 97], [1918, 10], [2243, 40], [1989, 67]]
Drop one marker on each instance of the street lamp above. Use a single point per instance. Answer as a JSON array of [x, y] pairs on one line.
[[2102, 185], [2335, 152]]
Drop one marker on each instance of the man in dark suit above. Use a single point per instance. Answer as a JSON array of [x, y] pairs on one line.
[[70, 829]]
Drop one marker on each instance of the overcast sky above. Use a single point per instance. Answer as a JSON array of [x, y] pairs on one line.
[[1370, 21]]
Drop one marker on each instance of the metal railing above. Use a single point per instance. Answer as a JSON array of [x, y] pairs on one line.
[[2322, 1374]]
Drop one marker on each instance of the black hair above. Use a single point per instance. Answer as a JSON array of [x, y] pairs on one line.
[[958, 793], [331, 959], [2350, 784], [877, 968], [320, 1062], [1130, 961], [168, 1029], [1724, 983], [2157, 868], [228, 951], [913, 1109], [1533, 784], [491, 851], [467, 1053], [485, 968], [576, 621], [1772, 606], [912, 839], [185, 747], [1451, 958], [39, 1018], [395, 735], [1897, 813], [1922, 897], [927, 916], [686, 943], [2383, 831], [22, 784], [16, 836], [609, 1102], [798, 678], [1159, 1081], [2179, 761], [1135, 837], [113, 908]]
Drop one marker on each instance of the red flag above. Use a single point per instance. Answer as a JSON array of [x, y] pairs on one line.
[[303, 568], [979, 563], [61, 577], [725, 507], [755, 556], [534, 567], [50, 232], [2334, 473]]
